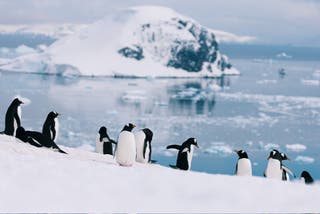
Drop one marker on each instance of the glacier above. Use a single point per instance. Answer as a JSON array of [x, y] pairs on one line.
[[144, 41]]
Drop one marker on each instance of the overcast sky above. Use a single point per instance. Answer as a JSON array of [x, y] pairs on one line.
[[270, 21]]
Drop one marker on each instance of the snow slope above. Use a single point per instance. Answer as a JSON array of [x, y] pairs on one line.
[[40, 180], [139, 41]]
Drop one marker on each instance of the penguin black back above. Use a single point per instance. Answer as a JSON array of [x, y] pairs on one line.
[[49, 126], [147, 142], [13, 120], [307, 177], [183, 159], [105, 139]]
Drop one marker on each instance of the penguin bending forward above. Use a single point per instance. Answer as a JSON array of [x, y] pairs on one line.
[[143, 140], [185, 153], [13, 117], [243, 167], [275, 169], [37, 139], [103, 142], [50, 127], [125, 153], [306, 177]]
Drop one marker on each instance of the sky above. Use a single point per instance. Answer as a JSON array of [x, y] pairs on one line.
[[295, 22]]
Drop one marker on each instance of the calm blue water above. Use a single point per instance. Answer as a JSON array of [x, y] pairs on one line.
[[256, 111]]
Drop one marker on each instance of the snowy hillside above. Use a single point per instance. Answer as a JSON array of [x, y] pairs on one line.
[[40, 180], [139, 41]]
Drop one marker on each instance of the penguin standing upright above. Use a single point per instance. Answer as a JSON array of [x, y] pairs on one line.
[[13, 117], [37, 139], [143, 140], [103, 142], [306, 177], [125, 153], [185, 154], [50, 127], [243, 167], [275, 168]]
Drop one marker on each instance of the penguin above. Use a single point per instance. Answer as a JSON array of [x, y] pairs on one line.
[[275, 168], [185, 154], [243, 167], [125, 153], [103, 142], [306, 177], [50, 127], [143, 140], [13, 117], [37, 139]]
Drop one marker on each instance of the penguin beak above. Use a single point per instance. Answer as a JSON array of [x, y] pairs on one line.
[[196, 145], [236, 151], [134, 125]]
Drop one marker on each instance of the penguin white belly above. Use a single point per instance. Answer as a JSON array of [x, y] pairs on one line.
[[244, 167], [274, 170], [56, 126], [126, 149], [15, 123], [99, 145], [190, 155], [139, 139]]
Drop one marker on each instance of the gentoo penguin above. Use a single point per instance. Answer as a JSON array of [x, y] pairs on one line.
[[13, 117], [103, 142], [50, 127], [185, 153], [125, 153], [306, 177], [275, 169], [143, 140], [37, 139], [243, 167]]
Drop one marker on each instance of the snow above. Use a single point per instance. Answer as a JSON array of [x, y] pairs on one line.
[[93, 49], [227, 37], [40, 180], [53, 30], [296, 147], [304, 159]]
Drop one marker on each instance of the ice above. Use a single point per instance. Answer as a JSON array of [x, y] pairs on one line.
[[311, 82], [296, 147], [304, 159], [219, 148]]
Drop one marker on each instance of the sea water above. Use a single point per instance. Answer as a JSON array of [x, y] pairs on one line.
[[256, 111]]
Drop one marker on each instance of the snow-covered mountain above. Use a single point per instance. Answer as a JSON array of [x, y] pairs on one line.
[[139, 41]]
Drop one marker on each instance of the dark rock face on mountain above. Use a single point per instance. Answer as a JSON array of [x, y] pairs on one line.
[[194, 51]]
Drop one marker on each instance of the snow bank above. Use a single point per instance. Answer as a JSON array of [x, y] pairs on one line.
[[40, 180]]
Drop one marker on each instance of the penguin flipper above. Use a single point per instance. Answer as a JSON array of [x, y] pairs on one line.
[[178, 147], [286, 169], [112, 141]]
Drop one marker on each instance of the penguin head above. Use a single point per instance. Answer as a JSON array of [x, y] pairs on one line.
[[306, 177], [241, 153], [53, 115], [275, 154], [16, 102], [128, 127], [191, 141], [102, 130]]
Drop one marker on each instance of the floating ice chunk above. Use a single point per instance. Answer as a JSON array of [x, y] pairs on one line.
[[296, 147], [271, 146], [310, 82], [304, 159], [134, 96], [266, 81], [219, 148]]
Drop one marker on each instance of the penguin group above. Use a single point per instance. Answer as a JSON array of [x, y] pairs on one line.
[[46, 138], [275, 168], [134, 147]]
